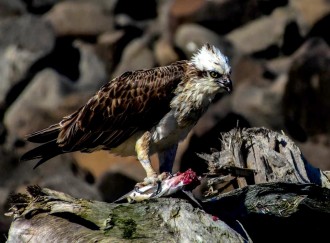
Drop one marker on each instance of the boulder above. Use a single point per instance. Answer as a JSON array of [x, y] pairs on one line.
[[79, 18], [261, 33], [190, 37], [37, 107], [92, 73], [136, 55], [306, 98], [165, 53], [23, 40], [309, 12], [221, 16], [11, 8]]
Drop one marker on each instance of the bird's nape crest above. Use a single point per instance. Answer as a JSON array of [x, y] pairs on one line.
[[208, 56]]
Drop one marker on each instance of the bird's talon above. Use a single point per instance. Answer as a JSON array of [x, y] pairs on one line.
[[164, 175]]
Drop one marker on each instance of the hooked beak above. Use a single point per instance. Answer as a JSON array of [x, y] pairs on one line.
[[226, 84]]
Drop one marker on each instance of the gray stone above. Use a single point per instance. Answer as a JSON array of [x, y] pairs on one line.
[[27, 32], [11, 8], [55, 174], [107, 5], [164, 52], [92, 70], [261, 33], [190, 37], [106, 47], [65, 181], [23, 40], [136, 55], [219, 15], [38, 106], [258, 100], [279, 65], [258, 105], [50, 96], [79, 18]]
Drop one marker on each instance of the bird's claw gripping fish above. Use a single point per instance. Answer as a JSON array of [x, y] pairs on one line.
[[169, 186]]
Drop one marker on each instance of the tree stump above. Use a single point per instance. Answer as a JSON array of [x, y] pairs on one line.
[[258, 155], [258, 188]]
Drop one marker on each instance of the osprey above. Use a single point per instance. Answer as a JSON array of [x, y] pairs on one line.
[[140, 113]]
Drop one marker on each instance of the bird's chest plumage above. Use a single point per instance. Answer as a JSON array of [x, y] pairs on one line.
[[192, 101], [186, 108], [168, 132]]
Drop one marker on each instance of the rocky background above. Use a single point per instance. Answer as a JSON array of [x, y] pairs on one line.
[[55, 54]]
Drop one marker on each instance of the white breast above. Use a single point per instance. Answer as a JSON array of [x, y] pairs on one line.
[[167, 132]]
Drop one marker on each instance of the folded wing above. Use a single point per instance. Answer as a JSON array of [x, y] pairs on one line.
[[133, 101]]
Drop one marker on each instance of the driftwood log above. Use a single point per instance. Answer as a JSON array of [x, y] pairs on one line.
[[258, 188]]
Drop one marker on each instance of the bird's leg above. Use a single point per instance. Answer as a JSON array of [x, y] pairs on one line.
[[166, 159], [142, 149]]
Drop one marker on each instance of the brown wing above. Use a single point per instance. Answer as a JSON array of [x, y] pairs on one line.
[[134, 101]]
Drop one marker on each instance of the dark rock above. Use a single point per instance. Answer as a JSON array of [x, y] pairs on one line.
[[27, 32], [4, 221], [316, 150], [8, 163], [92, 73], [40, 6], [256, 96], [64, 58], [55, 174], [292, 38], [320, 29], [220, 16], [306, 99], [50, 96], [309, 12], [246, 69], [11, 8], [260, 103], [138, 10], [267, 6], [107, 49], [113, 185], [65, 181]]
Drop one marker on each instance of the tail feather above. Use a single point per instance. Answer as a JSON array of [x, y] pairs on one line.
[[43, 152], [45, 135]]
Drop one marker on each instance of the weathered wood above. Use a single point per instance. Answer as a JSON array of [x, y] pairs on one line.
[[49, 216], [258, 155], [276, 212], [258, 185]]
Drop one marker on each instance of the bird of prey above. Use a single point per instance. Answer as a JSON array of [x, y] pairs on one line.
[[140, 113]]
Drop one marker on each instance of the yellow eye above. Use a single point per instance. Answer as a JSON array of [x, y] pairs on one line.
[[215, 74]]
